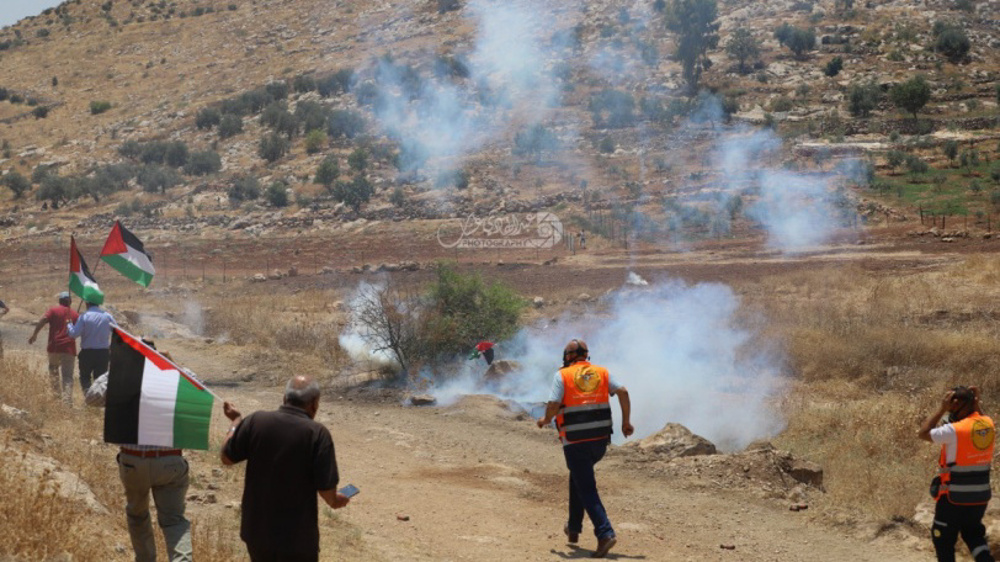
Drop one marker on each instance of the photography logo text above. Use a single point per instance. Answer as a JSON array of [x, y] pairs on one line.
[[527, 231]]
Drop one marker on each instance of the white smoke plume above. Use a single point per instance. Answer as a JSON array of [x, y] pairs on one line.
[[677, 348]]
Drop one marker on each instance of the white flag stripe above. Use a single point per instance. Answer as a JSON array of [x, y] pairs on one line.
[[156, 405], [140, 259]]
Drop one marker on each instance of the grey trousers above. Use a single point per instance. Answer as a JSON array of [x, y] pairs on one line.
[[62, 362], [167, 479]]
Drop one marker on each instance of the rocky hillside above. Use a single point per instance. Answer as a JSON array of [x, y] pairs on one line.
[[404, 109]]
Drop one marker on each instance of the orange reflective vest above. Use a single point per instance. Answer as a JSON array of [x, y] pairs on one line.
[[967, 480], [585, 413]]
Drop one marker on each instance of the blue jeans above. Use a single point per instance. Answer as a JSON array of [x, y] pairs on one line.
[[583, 496]]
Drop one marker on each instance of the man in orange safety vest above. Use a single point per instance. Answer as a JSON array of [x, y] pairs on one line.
[[580, 402], [962, 487]]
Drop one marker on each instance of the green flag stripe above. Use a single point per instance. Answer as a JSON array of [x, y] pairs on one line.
[[192, 414], [128, 269]]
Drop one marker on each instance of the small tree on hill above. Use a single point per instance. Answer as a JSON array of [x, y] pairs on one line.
[[230, 125], [277, 194], [799, 41], [354, 193], [952, 42], [912, 95], [203, 163], [695, 23], [327, 172], [743, 47], [834, 67], [207, 118], [244, 188], [17, 184], [950, 150], [272, 147], [862, 99]]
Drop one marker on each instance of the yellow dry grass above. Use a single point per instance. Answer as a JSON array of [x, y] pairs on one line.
[[872, 353]]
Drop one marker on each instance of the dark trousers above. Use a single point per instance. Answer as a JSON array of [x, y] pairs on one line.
[[258, 554], [949, 521], [583, 496], [93, 363], [488, 356]]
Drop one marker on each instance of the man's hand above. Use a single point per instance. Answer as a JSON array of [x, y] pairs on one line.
[[542, 422], [31, 340], [946, 401], [231, 412], [339, 501], [627, 429]]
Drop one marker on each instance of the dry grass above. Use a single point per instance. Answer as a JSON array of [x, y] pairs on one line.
[[872, 354]]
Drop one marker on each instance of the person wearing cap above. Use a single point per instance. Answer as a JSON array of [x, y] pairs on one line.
[[962, 486], [580, 402], [61, 347], [94, 330]]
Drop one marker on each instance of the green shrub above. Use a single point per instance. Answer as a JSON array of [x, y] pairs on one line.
[[277, 90], [353, 193], [55, 189], [834, 67], [16, 183], [311, 115], [176, 154], [243, 188], [606, 146], [953, 43], [5, 93], [315, 141], [230, 125], [40, 112], [155, 178], [272, 147], [448, 5], [327, 172], [782, 104], [358, 159], [207, 118], [398, 197], [911, 95], [277, 194], [612, 108], [337, 83], [535, 141], [304, 83], [99, 106], [345, 123], [203, 163]]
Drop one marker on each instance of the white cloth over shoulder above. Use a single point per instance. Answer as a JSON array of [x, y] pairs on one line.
[[98, 392]]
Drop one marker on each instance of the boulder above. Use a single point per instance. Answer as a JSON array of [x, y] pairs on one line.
[[538, 302], [675, 440], [422, 400], [499, 370]]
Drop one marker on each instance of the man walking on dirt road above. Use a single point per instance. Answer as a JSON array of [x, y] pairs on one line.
[[580, 402], [290, 458], [962, 487], [61, 347], [94, 330]]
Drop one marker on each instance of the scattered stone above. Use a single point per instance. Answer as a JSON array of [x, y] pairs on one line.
[[798, 507], [422, 400], [538, 302], [403, 517], [293, 271], [675, 440], [499, 370], [327, 270], [727, 546]]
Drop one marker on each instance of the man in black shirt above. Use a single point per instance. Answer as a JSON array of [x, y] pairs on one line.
[[290, 458]]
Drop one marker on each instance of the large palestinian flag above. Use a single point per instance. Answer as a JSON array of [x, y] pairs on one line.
[[124, 252], [81, 281], [151, 401]]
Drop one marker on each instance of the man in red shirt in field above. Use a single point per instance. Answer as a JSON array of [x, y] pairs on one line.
[[61, 347]]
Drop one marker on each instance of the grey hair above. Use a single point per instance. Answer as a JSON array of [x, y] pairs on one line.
[[301, 395]]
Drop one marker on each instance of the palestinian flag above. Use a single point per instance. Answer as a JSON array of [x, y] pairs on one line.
[[124, 252], [81, 280], [152, 401]]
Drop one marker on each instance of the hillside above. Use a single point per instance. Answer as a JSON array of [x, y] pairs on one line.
[[464, 108]]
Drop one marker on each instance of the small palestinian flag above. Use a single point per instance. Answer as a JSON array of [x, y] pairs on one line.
[[152, 401], [124, 252], [81, 280]]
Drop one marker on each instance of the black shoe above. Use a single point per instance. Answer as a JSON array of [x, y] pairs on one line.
[[570, 536], [603, 546]]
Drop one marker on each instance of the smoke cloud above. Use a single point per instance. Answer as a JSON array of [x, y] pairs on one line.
[[678, 348]]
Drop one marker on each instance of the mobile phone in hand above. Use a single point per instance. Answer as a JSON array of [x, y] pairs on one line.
[[349, 490]]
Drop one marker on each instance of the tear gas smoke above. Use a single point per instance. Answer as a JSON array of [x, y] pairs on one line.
[[677, 348]]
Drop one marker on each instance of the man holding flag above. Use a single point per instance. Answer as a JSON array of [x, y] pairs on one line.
[[154, 409], [94, 326]]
